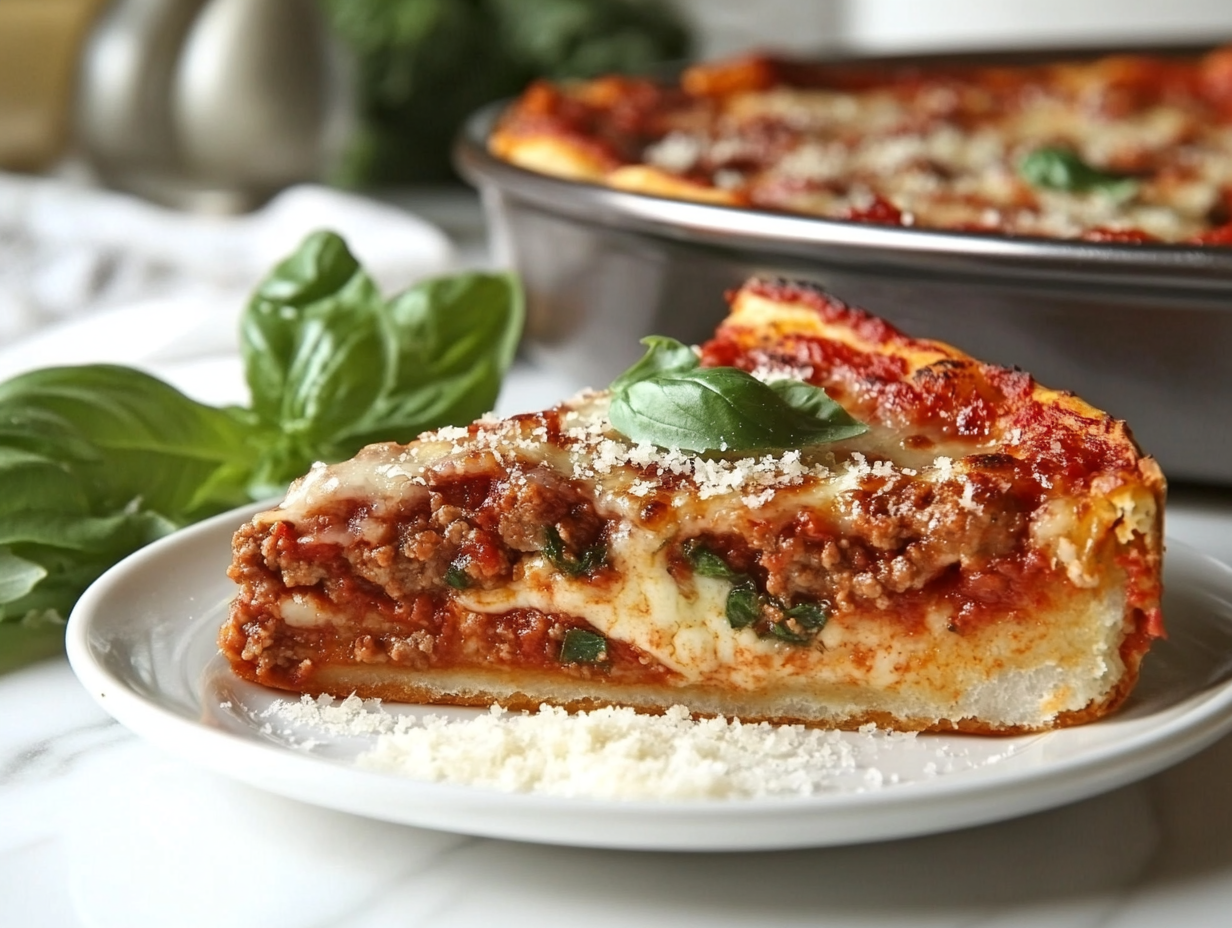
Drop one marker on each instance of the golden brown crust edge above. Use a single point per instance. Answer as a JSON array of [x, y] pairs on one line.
[[399, 685]]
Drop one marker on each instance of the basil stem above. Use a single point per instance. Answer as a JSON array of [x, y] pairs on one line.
[[1056, 168], [582, 647]]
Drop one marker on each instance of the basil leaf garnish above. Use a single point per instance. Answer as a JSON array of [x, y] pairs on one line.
[[96, 462], [452, 339], [668, 399], [725, 409], [663, 356], [1056, 168], [582, 647], [145, 440]]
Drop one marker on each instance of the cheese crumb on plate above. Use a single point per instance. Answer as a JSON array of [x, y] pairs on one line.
[[616, 753]]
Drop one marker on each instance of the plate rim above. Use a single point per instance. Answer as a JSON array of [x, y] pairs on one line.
[[955, 801]]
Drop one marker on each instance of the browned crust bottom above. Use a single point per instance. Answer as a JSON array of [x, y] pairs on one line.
[[528, 691]]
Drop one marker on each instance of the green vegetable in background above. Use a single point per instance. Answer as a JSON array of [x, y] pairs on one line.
[[1054, 168], [668, 399], [423, 66], [97, 461]]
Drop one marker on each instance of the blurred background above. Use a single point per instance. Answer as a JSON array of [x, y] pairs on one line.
[[128, 127]]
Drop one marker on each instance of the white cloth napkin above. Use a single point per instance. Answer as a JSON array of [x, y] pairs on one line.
[[68, 249]]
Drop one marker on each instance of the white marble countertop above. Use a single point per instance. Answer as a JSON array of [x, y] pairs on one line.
[[100, 829]]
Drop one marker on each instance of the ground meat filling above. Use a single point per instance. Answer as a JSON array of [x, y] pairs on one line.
[[465, 531], [894, 539], [389, 562]]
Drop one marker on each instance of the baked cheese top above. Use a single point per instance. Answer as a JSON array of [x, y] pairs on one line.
[[1146, 143]]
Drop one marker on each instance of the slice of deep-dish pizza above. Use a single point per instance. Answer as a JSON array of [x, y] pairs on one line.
[[985, 556]]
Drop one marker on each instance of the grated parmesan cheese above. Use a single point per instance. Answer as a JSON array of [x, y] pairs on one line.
[[617, 753]]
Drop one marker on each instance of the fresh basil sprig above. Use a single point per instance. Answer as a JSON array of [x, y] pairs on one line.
[[332, 366], [97, 461], [668, 399], [1057, 168]]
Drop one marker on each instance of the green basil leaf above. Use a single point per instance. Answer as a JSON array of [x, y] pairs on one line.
[[582, 647], [119, 533], [34, 481], [1056, 168], [784, 632], [559, 557], [457, 578], [339, 369], [810, 615], [18, 576], [70, 551], [453, 340], [817, 403], [149, 440], [743, 604], [706, 563], [663, 356], [315, 353], [321, 270], [719, 409], [42, 432]]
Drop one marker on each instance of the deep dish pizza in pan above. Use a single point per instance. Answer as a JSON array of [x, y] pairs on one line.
[[1121, 148]]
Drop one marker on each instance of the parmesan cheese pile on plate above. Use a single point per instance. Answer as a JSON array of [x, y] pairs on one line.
[[617, 753]]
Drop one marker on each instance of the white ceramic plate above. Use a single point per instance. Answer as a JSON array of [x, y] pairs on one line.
[[141, 640]]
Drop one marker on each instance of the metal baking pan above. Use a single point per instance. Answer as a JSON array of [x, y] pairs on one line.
[[1143, 331]]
